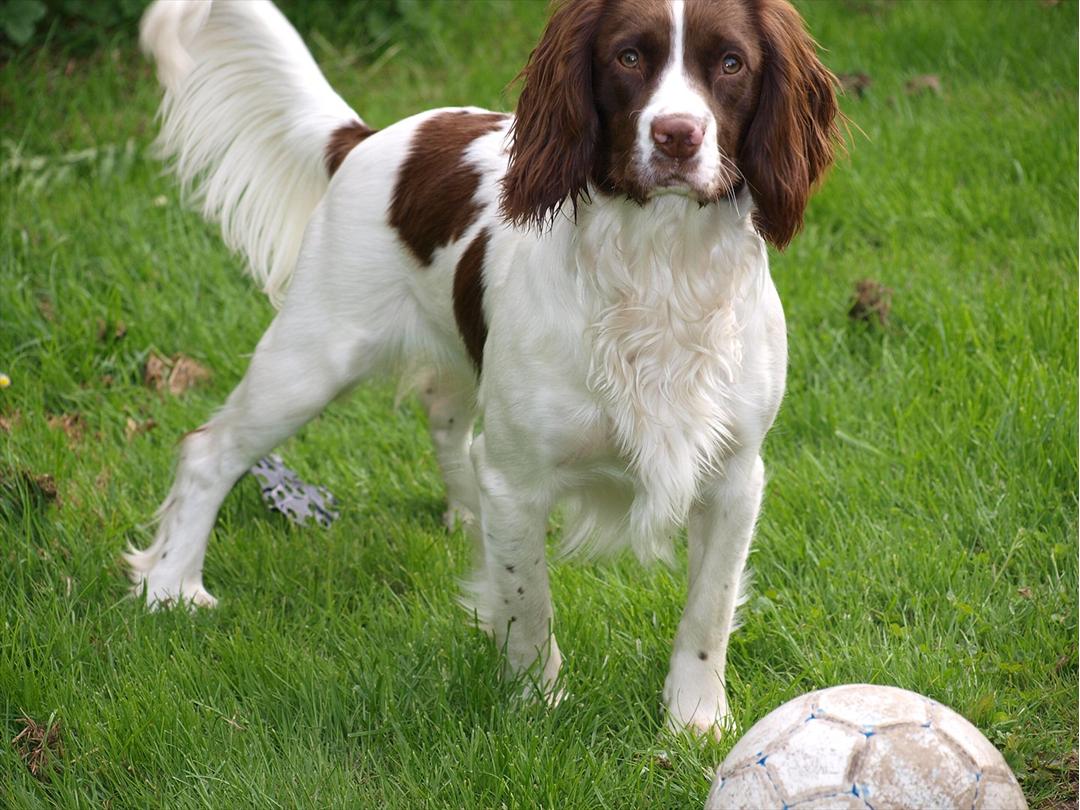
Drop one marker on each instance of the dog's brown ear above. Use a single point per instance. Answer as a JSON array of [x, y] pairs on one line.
[[790, 140], [554, 136]]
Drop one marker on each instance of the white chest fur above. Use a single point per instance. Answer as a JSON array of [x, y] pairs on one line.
[[668, 289]]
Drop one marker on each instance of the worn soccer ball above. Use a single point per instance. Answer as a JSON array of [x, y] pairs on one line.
[[862, 746]]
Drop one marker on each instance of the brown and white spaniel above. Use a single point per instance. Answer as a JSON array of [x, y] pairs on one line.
[[590, 274]]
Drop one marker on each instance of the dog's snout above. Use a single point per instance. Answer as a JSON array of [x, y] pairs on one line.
[[678, 136]]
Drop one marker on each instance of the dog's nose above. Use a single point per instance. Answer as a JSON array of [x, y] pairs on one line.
[[678, 136]]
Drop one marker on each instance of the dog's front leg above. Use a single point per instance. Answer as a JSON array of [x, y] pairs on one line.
[[515, 595], [720, 528]]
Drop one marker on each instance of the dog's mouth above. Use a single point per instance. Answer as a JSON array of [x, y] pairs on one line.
[[724, 189], [684, 178]]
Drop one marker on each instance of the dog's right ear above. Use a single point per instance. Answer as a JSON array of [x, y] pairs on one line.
[[554, 136]]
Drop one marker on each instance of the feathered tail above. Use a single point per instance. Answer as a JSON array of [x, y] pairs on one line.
[[247, 119]]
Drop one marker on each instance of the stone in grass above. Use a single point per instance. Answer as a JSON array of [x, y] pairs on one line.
[[284, 491]]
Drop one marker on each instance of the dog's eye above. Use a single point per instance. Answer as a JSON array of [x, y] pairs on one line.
[[731, 64], [629, 58]]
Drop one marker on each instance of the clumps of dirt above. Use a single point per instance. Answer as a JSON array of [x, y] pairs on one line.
[[174, 374], [871, 302], [39, 746]]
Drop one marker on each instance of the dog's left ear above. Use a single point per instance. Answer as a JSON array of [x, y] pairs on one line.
[[789, 142], [555, 131]]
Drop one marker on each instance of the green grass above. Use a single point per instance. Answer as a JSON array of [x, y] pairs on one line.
[[919, 529]]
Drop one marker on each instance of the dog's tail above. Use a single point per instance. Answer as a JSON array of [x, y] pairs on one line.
[[250, 125]]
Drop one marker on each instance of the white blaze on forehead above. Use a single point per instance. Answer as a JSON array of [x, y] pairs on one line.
[[678, 38], [676, 95]]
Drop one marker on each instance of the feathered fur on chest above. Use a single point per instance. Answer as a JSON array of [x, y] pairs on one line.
[[669, 287]]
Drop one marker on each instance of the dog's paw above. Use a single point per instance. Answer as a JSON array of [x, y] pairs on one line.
[[161, 595], [696, 703], [456, 515], [551, 694], [702, 722]]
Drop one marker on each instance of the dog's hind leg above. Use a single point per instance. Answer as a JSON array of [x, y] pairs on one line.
[[450, 402], [299, 366]]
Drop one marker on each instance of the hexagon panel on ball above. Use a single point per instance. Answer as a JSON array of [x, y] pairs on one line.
[[865, 747]]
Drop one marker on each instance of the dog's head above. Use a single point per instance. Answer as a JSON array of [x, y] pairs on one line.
[[694, 97]]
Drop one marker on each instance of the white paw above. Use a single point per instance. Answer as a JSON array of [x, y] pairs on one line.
[[166, 583], [168, 592], [189, 594], [456, 515], [540, 674], [696, 703]]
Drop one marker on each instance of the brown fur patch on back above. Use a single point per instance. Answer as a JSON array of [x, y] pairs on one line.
[[433, 201], [469, 298], [342, 141]]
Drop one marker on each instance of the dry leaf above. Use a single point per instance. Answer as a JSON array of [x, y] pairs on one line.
[[185, 373], [922, 84], [871, 300], [45, 307], [37, 745], [115, 331], [46, 485], [856, 83], [40, 486], [155, 372], [663, 761], [175, 374], [133, 428], [8, 421], [1024, 592], [71, 423]]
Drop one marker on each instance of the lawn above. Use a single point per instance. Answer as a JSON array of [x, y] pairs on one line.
[[919, 526]]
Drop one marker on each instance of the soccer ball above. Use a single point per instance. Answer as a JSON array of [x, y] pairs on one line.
[[862, 746]]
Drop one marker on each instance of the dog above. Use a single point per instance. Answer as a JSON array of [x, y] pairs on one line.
[[590, 274]]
